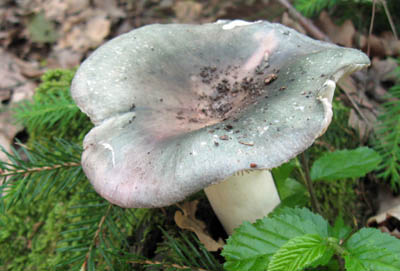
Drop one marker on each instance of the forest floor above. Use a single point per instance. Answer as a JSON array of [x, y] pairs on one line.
[[39, 35]]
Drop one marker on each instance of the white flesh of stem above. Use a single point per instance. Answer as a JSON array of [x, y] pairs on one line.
[[243, 197]]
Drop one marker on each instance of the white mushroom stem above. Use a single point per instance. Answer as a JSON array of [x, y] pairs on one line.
[[243, 197]]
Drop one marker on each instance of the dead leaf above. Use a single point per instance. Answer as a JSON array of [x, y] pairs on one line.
[[41, 29], [15, 88], [388, 217], [112, 9], [342, 35], [381, 71], [11, 78], [187, 11], [359, 125], [97, 28], [288, 21], [186, 220], [85, 31], [64, 58]]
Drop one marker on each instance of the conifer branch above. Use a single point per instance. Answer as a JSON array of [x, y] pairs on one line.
[[96, 236], [37, 169]]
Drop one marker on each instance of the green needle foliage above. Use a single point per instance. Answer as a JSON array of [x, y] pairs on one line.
[[52, 219], [311, 7], [35, 174], [50, 216], [388, 138], [53, 113]]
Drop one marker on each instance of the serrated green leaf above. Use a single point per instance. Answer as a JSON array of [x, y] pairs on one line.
[[300, 252], [340, 230], [283, 172], [371, 250], [295, 200], [289, 187], [345, 164], [251, 245]]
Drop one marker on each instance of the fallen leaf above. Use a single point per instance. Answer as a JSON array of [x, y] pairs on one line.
[[360, 125], [342, 35], [187, 11], [388, 217], [41, 29], [186, 220], [14, 87], [381, 71], [288, 21], [11, 78], [97, 28], [112, 9]]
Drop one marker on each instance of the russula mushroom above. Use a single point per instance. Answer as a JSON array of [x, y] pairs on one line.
[[178, 108]]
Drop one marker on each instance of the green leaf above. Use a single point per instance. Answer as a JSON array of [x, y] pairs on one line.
[[339, 229], [252, 245], [371, 250], [283, 172], [42, 30], [301, 252], [295, 200], [289, 187], [345, 164]]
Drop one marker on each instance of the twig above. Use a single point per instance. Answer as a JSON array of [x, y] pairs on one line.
[[310, 188], [324, 144], [167, 265], [37, 169], [371, 26], [356, 107], [306, 23], [96, 235], [389, 19]]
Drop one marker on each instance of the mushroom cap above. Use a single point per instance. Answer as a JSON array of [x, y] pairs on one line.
[[179, 107]]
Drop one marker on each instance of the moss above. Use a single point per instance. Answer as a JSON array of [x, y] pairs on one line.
[[52, 100], [337, 197], [30, 238]]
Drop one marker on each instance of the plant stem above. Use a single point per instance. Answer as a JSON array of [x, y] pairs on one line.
[[310, 188]]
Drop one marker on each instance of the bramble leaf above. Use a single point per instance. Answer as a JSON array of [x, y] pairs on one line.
[[300, 252], [370, 249], [345, 164], [252, 245]]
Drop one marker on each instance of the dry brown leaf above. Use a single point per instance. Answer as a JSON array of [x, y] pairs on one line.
[[381, 71], [15, 88], [187, 11], [97, 29], [388, 217], [186, 220], [342, 35], [111, 7], [85, 31], [11, 78], [359, 125], [288, 21], [363, 115]]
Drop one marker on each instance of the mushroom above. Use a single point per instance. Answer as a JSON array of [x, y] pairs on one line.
[[179, 108]]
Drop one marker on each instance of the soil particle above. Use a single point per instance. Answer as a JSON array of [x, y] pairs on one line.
[[251, 144], [269, 78], [230, 95]]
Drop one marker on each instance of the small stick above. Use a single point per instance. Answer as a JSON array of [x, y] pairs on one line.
[[310, 187], [371, 26], [389, 19], [306, 23]]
